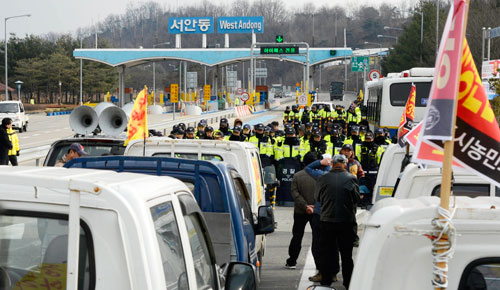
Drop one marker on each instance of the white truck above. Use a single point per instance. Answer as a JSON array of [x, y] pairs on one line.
[[395, 249], [15, 111], [242, 155], [93, 229]]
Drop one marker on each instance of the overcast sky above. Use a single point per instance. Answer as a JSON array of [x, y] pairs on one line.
[[65, 16]]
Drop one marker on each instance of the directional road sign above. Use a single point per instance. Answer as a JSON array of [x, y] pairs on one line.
[[294, 49], [279, 38], [359, 63]]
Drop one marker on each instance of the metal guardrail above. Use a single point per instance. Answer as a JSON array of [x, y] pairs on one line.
[[35, 153]]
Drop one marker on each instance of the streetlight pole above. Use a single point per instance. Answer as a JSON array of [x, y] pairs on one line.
[[6, 63], [388, 36]]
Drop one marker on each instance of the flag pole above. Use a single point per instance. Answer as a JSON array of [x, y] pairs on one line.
[[443, 244]]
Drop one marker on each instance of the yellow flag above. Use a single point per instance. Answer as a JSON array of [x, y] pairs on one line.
[[137, 127]]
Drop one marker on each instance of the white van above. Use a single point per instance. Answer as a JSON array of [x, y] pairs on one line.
[[243, 156], [15, 111]]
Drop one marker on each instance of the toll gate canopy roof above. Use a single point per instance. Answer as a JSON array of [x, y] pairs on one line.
[[205, 56]]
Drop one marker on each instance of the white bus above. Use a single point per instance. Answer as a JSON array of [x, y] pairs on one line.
[[386, 99]]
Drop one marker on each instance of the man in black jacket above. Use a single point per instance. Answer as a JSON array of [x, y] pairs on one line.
[[5, 144], [338, 194]]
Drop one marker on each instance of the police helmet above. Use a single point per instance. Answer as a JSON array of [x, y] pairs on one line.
[[237, 129], [259, 126], [209, 129], [289, 130]]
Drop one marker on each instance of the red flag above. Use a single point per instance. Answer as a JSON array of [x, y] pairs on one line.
[[477, 135], [406, 123], [439, 115]]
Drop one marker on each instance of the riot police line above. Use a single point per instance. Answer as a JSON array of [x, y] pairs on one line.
[[315, 131]]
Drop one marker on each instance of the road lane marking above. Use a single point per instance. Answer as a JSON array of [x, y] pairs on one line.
[[308, 270]]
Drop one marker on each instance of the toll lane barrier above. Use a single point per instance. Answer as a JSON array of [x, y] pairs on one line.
[[243, 111]]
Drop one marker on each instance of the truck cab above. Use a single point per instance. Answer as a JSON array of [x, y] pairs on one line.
[[243, 156], [94, 229], [15, 111]]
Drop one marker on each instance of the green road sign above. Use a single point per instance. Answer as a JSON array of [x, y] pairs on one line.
[[359, 63], [280, 50], [279, 38]]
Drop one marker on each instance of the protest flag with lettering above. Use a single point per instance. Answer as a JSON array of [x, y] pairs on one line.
[[137, 127], [406, 123]]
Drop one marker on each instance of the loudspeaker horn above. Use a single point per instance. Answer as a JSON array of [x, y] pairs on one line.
[[112, 120], [83, 120], [127, 108]]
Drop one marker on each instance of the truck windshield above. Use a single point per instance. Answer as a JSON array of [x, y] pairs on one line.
[[34, 252], [9, 108]]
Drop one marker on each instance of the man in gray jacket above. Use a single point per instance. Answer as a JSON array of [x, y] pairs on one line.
[[302, 192], [338, 194]]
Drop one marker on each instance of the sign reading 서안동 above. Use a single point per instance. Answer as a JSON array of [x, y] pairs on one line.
[[185, 25]]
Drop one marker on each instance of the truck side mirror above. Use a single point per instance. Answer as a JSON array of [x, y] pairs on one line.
[[265, 220], [240, 275]]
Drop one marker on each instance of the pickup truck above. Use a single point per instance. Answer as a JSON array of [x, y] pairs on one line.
[[243, 156], [93, 229], [395, 249], [15, 111], [218, 189]]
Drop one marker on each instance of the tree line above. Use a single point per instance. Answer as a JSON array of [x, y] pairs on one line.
[[44, 61]]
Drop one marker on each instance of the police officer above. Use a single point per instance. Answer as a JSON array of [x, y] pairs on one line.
[[14, 152], [369, 155], [190, 134], [334, 142], [352, 117], [295, 117], [236, 135], [247, 131], [362, 132], [264, 143], [209, 133], [200, 130], [224, 127], [306, 115], [308, 131], [340, 116], [354, 138], [286, 115], [315, 116], [288, 155], [179, 133], [316, 145], [380, 138], [325, 115]]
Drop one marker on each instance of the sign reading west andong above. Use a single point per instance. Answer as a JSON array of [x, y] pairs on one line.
[[184, 25], [240, 24]]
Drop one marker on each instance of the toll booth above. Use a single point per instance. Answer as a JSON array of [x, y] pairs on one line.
[[264, 93], [127, 96]]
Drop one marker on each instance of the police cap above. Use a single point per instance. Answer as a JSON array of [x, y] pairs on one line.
[[237, 129], [189, 130], [209, 129], [289, 130], [259, 126]]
